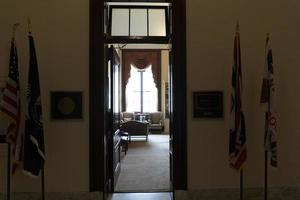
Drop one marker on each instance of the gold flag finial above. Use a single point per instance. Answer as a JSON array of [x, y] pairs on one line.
[[15, 26], [237, 26], [268, 38], [29, 25]]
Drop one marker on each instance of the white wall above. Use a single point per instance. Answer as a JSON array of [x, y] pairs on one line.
[[210, 32], [60, 29]]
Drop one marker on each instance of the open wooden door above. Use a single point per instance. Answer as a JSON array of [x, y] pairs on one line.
[[112, 135], [107, 176], [170, 89], [115, 115], [170, 103]]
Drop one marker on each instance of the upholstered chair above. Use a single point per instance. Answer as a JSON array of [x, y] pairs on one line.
[[127, 116], [156, 122]]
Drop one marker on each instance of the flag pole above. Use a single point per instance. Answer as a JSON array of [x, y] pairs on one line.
[[241, 171], [8, 170], [266, 129], [43, 183], [241, 185], [266, 175], [266, 159]]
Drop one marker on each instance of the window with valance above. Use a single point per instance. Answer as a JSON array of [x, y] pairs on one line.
[[145, 67]]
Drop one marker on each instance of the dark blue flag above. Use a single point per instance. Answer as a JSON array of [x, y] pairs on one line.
[[34, 151]]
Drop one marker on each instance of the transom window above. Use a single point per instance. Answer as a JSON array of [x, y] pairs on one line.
[[144, 21], [138, 22]]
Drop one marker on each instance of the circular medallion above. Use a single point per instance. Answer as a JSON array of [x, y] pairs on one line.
[[66, 105]]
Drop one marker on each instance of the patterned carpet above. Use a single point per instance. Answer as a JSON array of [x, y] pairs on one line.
[[146, 166]]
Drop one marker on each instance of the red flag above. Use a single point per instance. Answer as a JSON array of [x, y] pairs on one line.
[[237, 138], [268, 97]]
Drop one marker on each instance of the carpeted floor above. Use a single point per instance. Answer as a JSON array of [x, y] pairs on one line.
[[146, 166]]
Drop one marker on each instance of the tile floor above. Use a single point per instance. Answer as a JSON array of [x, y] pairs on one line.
[[141, 196]]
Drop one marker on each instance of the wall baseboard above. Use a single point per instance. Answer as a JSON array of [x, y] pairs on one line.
[[55, 196], [282, 193]]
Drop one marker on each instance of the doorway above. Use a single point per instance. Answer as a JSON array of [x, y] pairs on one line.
[[99, 118], [143, 161]]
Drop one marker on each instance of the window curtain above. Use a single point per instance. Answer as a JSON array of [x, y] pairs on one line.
[[141, 59]]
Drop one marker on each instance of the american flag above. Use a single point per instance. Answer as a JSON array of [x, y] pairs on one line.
[[10, 106], [237, 138], [268, 97]]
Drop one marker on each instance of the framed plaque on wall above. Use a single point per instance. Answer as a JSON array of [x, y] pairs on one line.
[[66, 105], [208, 104]]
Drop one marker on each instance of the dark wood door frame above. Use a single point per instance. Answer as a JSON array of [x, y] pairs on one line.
[[97, 113]]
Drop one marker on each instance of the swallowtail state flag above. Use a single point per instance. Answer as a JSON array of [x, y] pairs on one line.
[[34, 151], [268, 97], [10, 106], [237, 132]]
